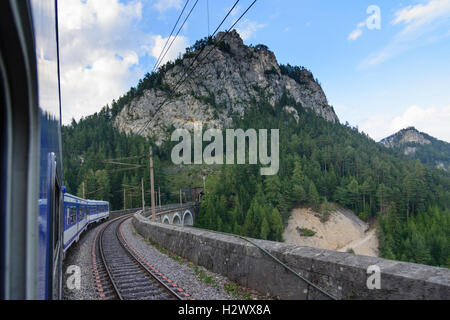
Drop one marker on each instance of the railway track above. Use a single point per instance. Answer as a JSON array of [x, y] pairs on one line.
[[121, 273]]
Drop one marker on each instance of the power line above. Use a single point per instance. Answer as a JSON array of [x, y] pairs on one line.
[[168, 39], [131, 166], [126, 169], [92, 192], [183, 78], [223, 35], [181, 27], [131, 187], [207, 12], [127, 158]]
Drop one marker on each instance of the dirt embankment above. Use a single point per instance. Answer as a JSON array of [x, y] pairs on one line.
[[343, 231]]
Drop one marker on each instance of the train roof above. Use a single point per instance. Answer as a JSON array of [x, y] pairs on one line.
[[85, 201]]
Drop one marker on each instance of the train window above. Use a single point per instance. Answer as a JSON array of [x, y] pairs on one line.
[[82, 212], [68, 216], [71, 215]]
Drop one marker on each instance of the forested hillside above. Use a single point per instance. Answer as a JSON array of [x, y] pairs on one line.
[[94, 139], [419, 145], [321, 163]]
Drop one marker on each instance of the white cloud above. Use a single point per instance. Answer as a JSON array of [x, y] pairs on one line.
[[97, 53], [432, 120], [234, 12], [420, 23], [99, 57], [355, 34], [248, 28], [163, 5], [179, 46], [421, 14]]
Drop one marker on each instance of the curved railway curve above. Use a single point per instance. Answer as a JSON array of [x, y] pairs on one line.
[[122, 273]]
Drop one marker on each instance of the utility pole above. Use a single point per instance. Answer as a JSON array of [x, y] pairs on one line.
[[152, 186], [83, 191], [159, 195], [143, 199], [124, 199], [181, 200]]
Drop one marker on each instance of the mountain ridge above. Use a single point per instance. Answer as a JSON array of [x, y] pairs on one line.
[[419, 145], [229, 78]]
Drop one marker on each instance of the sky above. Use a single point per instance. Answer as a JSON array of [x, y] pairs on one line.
[[384, 65]]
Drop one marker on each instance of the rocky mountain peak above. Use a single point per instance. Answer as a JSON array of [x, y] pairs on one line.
[[405, 136], [419, 145], [228, 79]]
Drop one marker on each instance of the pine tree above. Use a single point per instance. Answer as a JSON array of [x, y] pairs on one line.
[[265, 229], [313, 195]]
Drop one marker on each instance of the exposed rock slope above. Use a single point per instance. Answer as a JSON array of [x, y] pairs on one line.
[[405, 136], [231, 77], [419, 145], [343, 231]]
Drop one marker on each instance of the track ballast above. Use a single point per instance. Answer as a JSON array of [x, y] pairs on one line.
[[121, 272]]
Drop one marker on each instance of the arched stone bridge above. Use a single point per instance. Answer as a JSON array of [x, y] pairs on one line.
[[174, 214]]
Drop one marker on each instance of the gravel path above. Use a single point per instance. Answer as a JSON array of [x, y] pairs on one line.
[[79, 254], [200, 283]]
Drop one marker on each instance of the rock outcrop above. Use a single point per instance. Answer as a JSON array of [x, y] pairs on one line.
[[229, 78], [405, 136], [419, 145]]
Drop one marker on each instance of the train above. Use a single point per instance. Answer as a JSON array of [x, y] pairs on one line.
[[39, 221], [79, 214]]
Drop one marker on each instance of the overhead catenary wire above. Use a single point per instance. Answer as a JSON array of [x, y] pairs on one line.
[[207, 13], [92, 192], [168, 39], [223, 35], [173, 40], [127, 169], [184, 78], [125, 158], [131, 166]]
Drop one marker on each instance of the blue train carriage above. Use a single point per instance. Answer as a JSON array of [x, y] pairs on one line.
[[31, 198], [79, 214]]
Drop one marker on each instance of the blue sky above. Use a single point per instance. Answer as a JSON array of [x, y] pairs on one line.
[[380, 80]]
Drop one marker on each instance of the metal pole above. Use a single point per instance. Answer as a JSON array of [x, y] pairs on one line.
[[159, 195], [181, 200], [124, 199], [152, 186], [83, 191], [143, 199]]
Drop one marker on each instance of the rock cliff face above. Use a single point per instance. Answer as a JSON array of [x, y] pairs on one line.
[[405, 136], [231, 77], [419, 145]]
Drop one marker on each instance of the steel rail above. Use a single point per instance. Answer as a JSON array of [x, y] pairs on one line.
[[126, 249], [137, 260]]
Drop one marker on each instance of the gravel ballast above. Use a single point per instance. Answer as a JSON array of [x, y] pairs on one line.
[[79, 254], [199, 282]]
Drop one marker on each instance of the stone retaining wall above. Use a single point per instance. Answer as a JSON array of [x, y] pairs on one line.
[[342, 275]]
